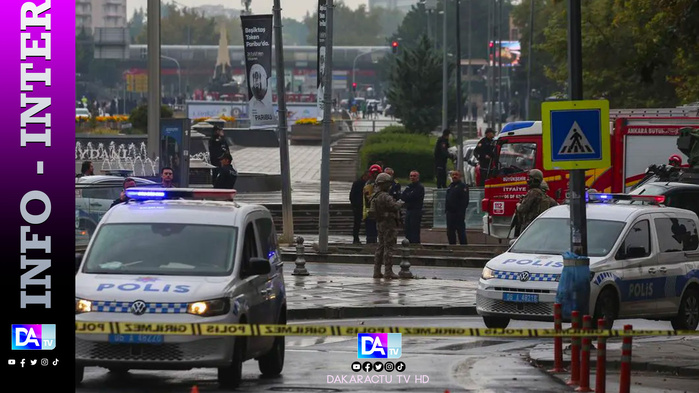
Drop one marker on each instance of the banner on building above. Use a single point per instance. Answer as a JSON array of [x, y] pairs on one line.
[[320, 71], [257, 39]]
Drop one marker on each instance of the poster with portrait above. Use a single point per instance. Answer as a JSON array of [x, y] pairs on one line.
[[320, 71], [257, 39]]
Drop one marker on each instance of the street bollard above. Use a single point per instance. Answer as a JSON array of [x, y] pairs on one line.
[[601, 373], [585, 357], [625, 374], [557, 341], [405, 262], [575, 351], [300, 269]]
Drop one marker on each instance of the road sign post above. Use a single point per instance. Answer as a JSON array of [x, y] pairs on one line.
[[575, 137]]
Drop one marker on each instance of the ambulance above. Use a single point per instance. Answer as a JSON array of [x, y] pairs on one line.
[[639, 138], [174, 256], [644, 263]]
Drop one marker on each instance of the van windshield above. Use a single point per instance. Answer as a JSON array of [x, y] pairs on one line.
[[162, 249], [552, 236]]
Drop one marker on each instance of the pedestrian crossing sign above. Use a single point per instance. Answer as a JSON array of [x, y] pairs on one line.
[[575, 134]]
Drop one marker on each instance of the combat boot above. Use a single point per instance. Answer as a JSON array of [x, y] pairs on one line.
[[388, 273], [377, 271]]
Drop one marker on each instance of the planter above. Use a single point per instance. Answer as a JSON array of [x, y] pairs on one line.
[[312, 134]]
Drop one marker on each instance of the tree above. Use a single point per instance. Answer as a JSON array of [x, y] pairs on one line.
[[186, 25], [350, 27], [416, 87], [295, 32], [84, 52], [136, 25]]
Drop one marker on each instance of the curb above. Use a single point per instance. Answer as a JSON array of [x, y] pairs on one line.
[[367, 259], [372, 312], [635, 366]]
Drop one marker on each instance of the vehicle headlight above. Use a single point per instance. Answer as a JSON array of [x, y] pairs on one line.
[[488, 273], [82, 306], [209, 308]]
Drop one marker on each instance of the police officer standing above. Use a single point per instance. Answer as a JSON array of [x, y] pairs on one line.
[[485, 152], [535, 202], [227, 176], [386, 211], [217, 146], [441, 154], [456, 205], [413, 195]]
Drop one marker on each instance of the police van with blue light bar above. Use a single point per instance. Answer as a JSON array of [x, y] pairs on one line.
[[644, 263], [181, 256]]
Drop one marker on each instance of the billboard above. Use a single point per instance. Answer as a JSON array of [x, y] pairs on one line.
[[511, 52]]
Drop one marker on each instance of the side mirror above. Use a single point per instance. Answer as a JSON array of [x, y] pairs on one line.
[[78, 260], [257, 266]]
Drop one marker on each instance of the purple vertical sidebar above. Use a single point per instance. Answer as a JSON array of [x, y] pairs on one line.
[[23, 167]]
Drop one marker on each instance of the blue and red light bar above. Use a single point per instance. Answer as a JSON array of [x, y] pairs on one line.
[[605, 197], [151, 194]]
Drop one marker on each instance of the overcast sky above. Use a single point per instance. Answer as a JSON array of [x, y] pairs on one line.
[[290, 8]]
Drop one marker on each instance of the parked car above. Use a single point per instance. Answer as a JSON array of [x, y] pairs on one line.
[[470, 161], [82, 113], [681, 195], [93, 197]]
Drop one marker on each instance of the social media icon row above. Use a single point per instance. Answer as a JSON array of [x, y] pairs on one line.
[[378, 367], [33, 362]]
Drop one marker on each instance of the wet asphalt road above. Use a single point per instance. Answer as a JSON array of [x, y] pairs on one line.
[[318, 364]]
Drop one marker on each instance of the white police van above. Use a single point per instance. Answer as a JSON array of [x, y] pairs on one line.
[[163, 259], [644, 263]]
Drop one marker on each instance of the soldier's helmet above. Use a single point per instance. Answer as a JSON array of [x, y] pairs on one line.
[[383, 178], [536, 175]]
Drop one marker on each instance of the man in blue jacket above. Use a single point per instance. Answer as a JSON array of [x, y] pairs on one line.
[[456, 204], [413, 195]]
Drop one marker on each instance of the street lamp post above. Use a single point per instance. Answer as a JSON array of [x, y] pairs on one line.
[[179, 76], [354, 62]]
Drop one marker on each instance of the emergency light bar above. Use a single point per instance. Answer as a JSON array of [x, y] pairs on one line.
[[652, 199], [150, 194]]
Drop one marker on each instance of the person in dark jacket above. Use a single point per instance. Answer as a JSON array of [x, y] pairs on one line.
[[357, 201], [413, 195], [484, 153], [217, 146], [456, 204], [86, 169], [394, 191], [128, 183], [226, 175], [441, 155]]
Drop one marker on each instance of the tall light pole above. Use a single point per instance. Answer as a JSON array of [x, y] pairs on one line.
[[529, 60], [179, 75], [354, 62], [154, 94], [324, 216], [445, 74], [459, 104]]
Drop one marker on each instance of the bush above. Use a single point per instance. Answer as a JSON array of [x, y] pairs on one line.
[[382, 138], [139, 116], [394, 129], [403, 155]]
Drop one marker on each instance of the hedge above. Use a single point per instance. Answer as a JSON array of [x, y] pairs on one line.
[[403, 155]]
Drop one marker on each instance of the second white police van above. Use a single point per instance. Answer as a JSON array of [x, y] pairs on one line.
[[644, 263], [181, 256]]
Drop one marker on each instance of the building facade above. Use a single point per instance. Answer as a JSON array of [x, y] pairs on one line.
[[94, 14]]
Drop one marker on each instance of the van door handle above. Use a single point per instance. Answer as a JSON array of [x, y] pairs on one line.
[[663, 270], [651, 270]]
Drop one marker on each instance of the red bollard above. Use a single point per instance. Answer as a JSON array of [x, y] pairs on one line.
[[625, 377], [575, 351], [557, 341], [601, 374], [585, 357]]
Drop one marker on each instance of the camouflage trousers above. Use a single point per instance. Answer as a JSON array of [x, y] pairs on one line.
[[388, 235]]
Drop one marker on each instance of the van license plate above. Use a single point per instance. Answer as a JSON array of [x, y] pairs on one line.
[[520, 297], [136, 338]]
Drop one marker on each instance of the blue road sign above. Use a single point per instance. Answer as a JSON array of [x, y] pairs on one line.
[[575, 134]]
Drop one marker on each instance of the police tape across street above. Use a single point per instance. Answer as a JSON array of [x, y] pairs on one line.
[[214, 329]]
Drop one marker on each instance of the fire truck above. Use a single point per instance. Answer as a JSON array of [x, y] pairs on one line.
[[639, 139]]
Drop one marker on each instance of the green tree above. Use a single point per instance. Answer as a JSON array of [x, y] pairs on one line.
[[350, 27], [136, 24], [295, 32], [415, 90], [84, 52], [185, 25]]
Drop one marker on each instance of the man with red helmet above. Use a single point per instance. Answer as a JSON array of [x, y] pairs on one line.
[[675, 161]]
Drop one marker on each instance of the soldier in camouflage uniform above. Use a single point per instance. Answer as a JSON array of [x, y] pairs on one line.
[[386, 210], [536, 201]]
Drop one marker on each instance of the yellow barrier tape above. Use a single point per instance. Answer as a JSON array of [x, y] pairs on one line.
[[215, 329]]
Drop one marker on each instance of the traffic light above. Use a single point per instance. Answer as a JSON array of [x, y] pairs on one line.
[[354, 86], [394, 45]]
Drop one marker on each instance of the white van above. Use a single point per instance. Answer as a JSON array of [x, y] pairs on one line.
[[159, 259], [644, 263]]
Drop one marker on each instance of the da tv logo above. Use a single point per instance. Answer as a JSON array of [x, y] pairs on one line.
[[36, 337], [379, 345]]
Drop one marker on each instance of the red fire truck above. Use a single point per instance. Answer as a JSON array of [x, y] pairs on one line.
[[639, 138]]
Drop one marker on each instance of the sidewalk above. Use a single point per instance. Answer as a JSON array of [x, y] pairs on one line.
[[675, 355]]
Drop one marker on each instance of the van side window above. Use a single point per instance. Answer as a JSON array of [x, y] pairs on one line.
[[268, 238], [637, 242], [249, 247], [685, 200], [676, 234]]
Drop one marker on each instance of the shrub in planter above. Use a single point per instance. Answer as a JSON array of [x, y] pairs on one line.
[[394, 129], [403, 155], [139, 116]]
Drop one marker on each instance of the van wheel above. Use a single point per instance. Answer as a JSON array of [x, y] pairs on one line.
[[230, 377], [272, 363], [79, 374], [607, 307], [688, 316], [496, 322]]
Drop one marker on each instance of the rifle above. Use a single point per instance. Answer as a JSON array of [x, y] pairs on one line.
[[516, 224]]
